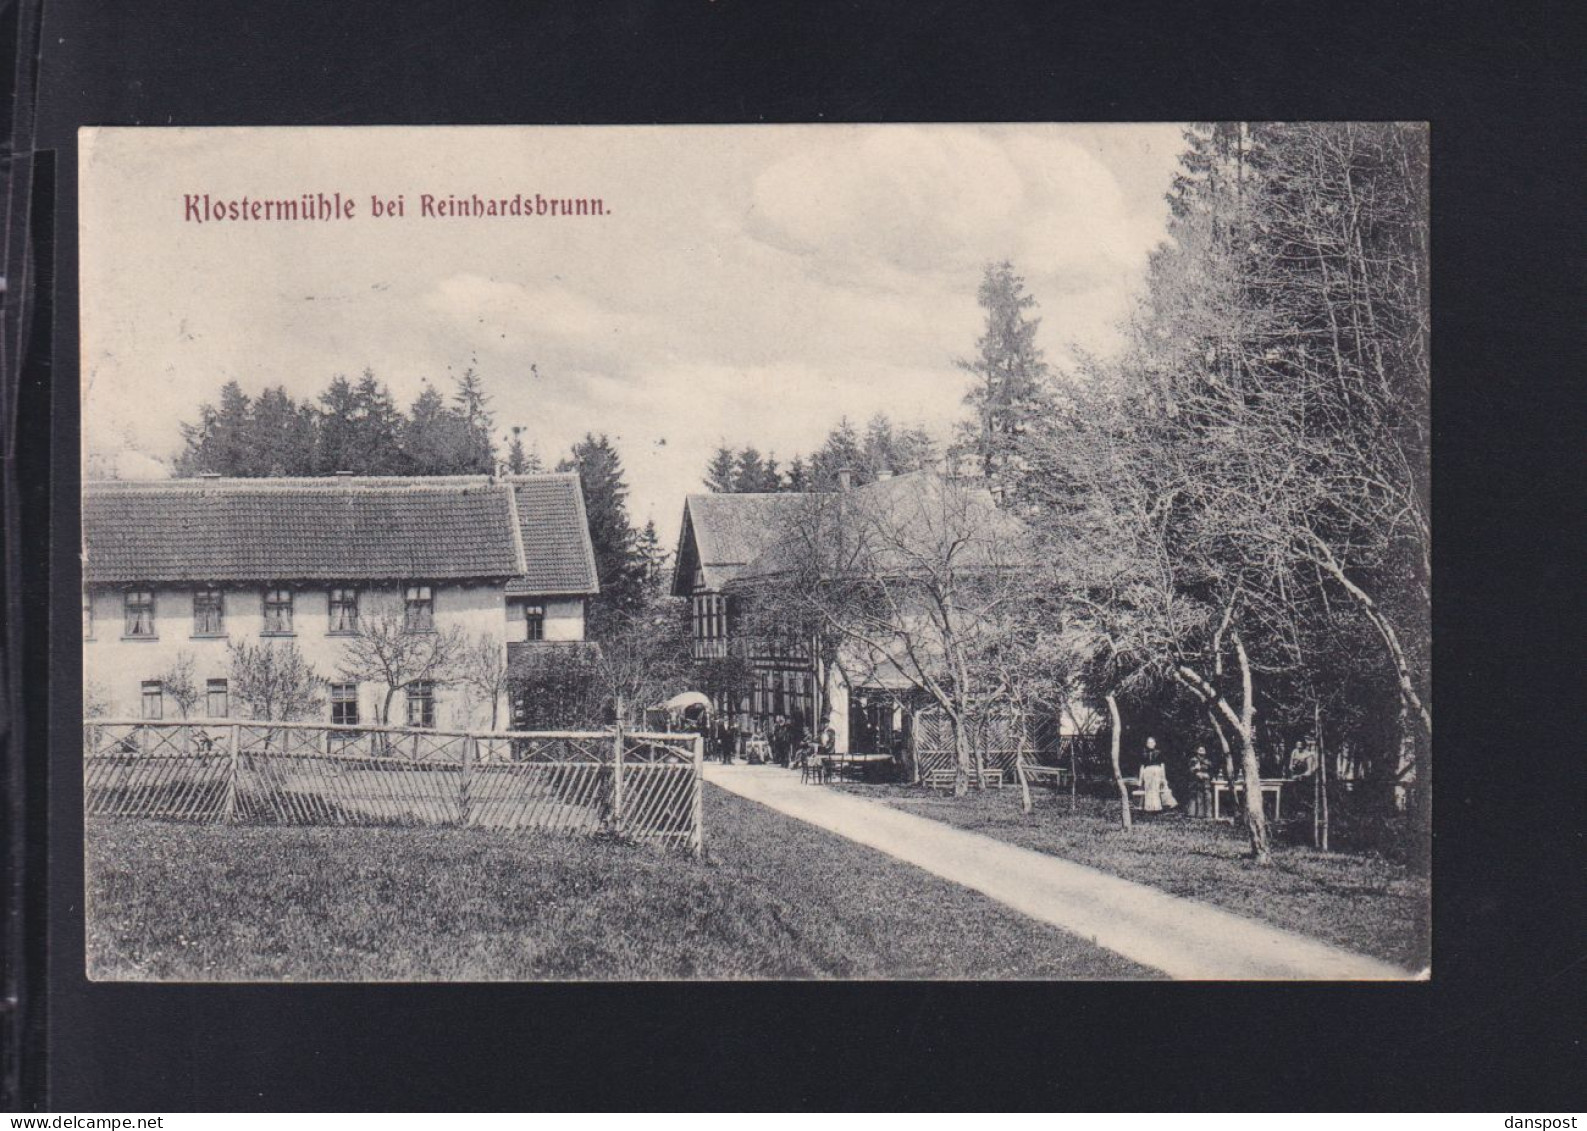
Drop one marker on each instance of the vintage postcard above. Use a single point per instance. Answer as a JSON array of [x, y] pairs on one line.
[[756, 552]]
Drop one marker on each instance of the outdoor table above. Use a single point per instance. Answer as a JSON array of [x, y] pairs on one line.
[[839, 763], [1275, 786]]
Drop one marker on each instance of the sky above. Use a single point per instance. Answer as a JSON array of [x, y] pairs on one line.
[[749, 284]]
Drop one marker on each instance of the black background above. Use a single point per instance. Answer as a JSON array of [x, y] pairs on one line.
[[1499, 1027]]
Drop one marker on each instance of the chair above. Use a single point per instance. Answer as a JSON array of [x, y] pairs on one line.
[[812, 768]]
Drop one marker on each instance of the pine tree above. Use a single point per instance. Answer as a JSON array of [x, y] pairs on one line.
[[1009, 373], [617, 560], [434, 438], [334, 440], [281, 436], [841, 450], [375, 447], [654, 556], [222, 441], [478, 455], [721, 474], [798, 476], [751, 475], [517, 457]]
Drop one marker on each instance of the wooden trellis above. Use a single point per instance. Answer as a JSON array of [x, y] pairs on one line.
[[643, 786]]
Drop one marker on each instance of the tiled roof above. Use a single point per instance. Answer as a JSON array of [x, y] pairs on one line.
[[731, 530], [550, 514], [333, 528], [898, 525]]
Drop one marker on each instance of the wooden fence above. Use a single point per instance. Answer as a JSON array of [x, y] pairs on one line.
[[635, 784], [997, 738]]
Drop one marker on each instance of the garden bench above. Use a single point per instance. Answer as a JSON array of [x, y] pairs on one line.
[[1055, 776], [943, 779]]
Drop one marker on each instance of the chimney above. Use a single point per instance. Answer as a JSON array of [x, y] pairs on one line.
[[884, 472], [845, 478]]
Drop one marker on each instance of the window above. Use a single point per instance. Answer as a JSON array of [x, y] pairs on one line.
[[88, 615], [710, 618], [419, 609], [534, 621], [215, 699], [421, 704], [344, 704], [344, 611], [277, 612], [153, 699], [140, 613], [207, 613]]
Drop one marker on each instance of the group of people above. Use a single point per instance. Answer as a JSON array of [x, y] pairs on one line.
[[1199, 771], [1157, 795], [781, 739]]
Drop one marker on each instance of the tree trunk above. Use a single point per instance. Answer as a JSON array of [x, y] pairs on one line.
[[1113, 752], [1255, 818], [1320, 808], [1019, 770], [961, 752], [1074, 778]]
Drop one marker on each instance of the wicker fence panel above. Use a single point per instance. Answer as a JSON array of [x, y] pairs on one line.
[[995, 737], [641, 786]]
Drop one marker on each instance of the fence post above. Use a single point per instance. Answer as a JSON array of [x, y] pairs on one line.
[[697, 840], [617, 771], [234, 741], [463, 781]]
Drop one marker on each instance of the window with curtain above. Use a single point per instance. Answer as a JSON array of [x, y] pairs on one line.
[[139, 605], [344, 610], [419, 608], [278, 612], [208, 613]]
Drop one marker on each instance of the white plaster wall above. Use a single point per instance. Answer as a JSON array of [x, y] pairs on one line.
[[564, 617], [114, 668]]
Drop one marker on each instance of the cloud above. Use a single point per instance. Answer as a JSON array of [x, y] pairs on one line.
[[908, 202]]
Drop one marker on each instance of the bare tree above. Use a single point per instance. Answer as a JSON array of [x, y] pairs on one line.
[[177, 682], [482, 668], [917, 575], [645, 658], [386, 651], [274, 681]]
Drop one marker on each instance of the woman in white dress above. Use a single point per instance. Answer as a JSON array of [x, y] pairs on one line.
[[1155, 794]]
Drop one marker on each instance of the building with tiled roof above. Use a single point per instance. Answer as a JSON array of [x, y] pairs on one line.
[[731, 544], [175, 570]]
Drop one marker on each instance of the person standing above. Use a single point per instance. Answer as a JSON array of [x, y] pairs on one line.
[[1200, 783], [1155, 794]]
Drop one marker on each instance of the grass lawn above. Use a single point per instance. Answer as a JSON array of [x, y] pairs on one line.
[[774, 898], [1360, 902]]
